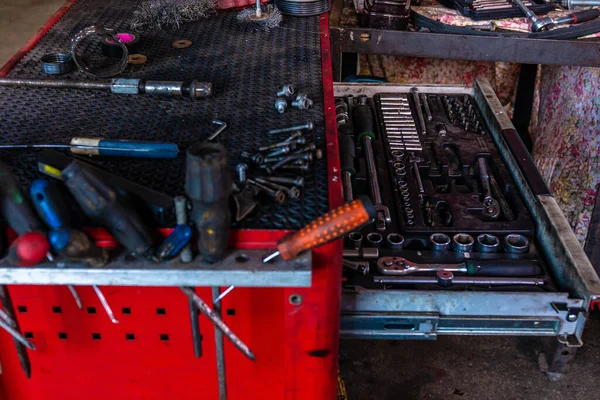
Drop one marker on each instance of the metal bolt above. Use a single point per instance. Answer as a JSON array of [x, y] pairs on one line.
[[318, 154], [440, 128], [281, 104], [292, 192], [572, 317], [293, 136], [302, 104], [255, 158], [308, 126], [274, 146], [298, 181], [306, 149], [304, 167], [286, 91], [242, 171], [277, 195], [279, 151], [181, 204]]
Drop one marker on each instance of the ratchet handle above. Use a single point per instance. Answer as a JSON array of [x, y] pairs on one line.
[[583, 16], [331, 226], [504, 268]]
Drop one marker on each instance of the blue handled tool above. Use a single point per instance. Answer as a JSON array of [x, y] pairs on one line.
[[175, 242], [108, 147], [73, 243]]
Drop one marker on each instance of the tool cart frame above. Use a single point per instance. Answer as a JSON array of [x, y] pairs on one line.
[[290, 317], [423, 314]]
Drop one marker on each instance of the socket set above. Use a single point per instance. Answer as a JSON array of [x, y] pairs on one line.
[[448, 212]]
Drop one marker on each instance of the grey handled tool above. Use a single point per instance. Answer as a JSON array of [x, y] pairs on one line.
[[364, 128], [400, 266], [193, 90]]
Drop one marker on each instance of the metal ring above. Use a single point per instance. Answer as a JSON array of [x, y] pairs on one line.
[[395, 240], [516, 244], [374, 239], [439, 242], [102, 34], [56, 63], [462, 242], [487, 243]]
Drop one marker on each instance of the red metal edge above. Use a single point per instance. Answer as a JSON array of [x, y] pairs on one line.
[[312, 328], [10, 64]]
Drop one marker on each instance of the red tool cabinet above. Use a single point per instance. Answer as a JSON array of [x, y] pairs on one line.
[[149, 353]]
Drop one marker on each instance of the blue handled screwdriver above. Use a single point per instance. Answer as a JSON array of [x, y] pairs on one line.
[[49, 204], [108, 147]]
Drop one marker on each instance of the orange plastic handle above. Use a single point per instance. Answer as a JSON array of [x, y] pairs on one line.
[[333, 225]]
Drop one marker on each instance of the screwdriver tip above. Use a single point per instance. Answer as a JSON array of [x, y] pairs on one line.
[[270, 257]]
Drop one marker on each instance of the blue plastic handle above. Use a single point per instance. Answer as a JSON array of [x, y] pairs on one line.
[[139, 149], [49, 204], [175, 242]]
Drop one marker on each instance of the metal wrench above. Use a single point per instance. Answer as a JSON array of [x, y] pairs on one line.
[[383, 213], [492, 207]]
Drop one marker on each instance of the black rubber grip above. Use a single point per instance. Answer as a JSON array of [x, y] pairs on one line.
[[363, 122], [346, 130], [347, 154], [504, 268], [585, 15]]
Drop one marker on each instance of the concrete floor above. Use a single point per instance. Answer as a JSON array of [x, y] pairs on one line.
[[19, 19], [467, 368], [450, 368]]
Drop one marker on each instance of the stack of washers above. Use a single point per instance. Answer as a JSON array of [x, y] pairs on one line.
[[303, 8]]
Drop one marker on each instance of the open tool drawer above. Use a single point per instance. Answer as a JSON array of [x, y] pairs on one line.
[[389, 303]]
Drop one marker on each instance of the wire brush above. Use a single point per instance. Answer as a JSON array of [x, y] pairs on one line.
[[159, 14]]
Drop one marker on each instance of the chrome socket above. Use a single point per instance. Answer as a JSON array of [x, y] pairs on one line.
[[374, 239], [516, 244], [397, 155], [355, 239], [487, 243], [462, 243], [395, 241]]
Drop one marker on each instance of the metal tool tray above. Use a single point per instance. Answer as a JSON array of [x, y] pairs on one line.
[[425, 314]]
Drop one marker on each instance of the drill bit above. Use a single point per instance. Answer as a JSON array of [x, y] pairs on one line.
[[214, 317]]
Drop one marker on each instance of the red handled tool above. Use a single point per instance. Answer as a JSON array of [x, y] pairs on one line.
[[331, 226]]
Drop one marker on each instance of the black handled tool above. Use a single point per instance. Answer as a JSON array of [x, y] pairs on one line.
[[401, 266], [208, 185], [102, 203], [347, 156]]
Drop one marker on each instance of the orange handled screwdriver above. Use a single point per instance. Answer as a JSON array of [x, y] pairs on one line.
[[331, 226]]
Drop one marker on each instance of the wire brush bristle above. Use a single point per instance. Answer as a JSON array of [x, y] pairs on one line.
[[159, 14], [271, 18]]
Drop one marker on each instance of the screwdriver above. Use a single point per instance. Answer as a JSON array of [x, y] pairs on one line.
[[49, 203], [101, 202], [333, 225], [108, 147]]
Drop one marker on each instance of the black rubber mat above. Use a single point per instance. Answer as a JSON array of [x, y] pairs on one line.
[[245, 68]]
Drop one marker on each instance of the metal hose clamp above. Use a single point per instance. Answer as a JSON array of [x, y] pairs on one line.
[[102, 34]]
